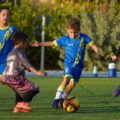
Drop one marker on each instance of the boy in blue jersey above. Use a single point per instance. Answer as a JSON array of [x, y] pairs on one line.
[[6, 31], [75, 45]]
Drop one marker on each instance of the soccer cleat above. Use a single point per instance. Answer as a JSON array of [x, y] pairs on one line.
[[16, 110], [23, 106], [116, 92], [61, 103], [57, 103]]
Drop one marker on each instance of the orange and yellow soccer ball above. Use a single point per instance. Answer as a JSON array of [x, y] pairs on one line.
[[71, 104]]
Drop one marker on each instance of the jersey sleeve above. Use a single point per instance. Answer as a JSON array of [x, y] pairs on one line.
[[15, 29], [61, 42], [24, 60], [88, 40]]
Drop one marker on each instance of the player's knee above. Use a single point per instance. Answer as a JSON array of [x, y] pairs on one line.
[[72, 84], [36, 88], [66, 81]]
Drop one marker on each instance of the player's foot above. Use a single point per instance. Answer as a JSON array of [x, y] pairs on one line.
[[61, 103], [23, 106], [57, 103], [116, 92]]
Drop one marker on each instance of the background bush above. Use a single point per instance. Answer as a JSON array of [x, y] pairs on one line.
[[102, 26]]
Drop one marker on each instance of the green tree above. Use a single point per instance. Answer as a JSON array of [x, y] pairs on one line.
[[103, 28]]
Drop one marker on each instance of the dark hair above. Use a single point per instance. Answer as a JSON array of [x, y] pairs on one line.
[[5, 8], [73, 23], [19, 37]]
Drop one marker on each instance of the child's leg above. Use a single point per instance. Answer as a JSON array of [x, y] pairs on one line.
[[23, 98], [0, 77], [28, 96], [76, 73], [57, 102], [69, 88], [21, 106], [18, 98], [61, 88], [21, 101]]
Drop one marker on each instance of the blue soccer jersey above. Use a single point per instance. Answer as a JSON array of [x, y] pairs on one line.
[[75, 52], [5, 44]]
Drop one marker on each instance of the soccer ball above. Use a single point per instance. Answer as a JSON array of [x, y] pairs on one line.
[[71, 104]]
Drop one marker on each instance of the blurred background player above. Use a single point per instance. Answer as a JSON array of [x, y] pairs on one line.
[[6, 32], [75, 45], [116, 92], [14, 74], [116, 55]]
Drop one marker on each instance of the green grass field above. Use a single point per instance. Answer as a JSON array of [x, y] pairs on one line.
[[95, 95]]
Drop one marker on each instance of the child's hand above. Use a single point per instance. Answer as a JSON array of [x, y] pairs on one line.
[[34, 43], [114, 58], [100, 57], [42, 73]]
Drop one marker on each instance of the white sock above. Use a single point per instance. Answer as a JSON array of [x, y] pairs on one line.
[[64, 95], [59, 92]]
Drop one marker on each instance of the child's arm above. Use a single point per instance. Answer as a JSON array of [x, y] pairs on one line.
[[117, 53], [45, 44], [95, 48], [25, 63], [38, 72]]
